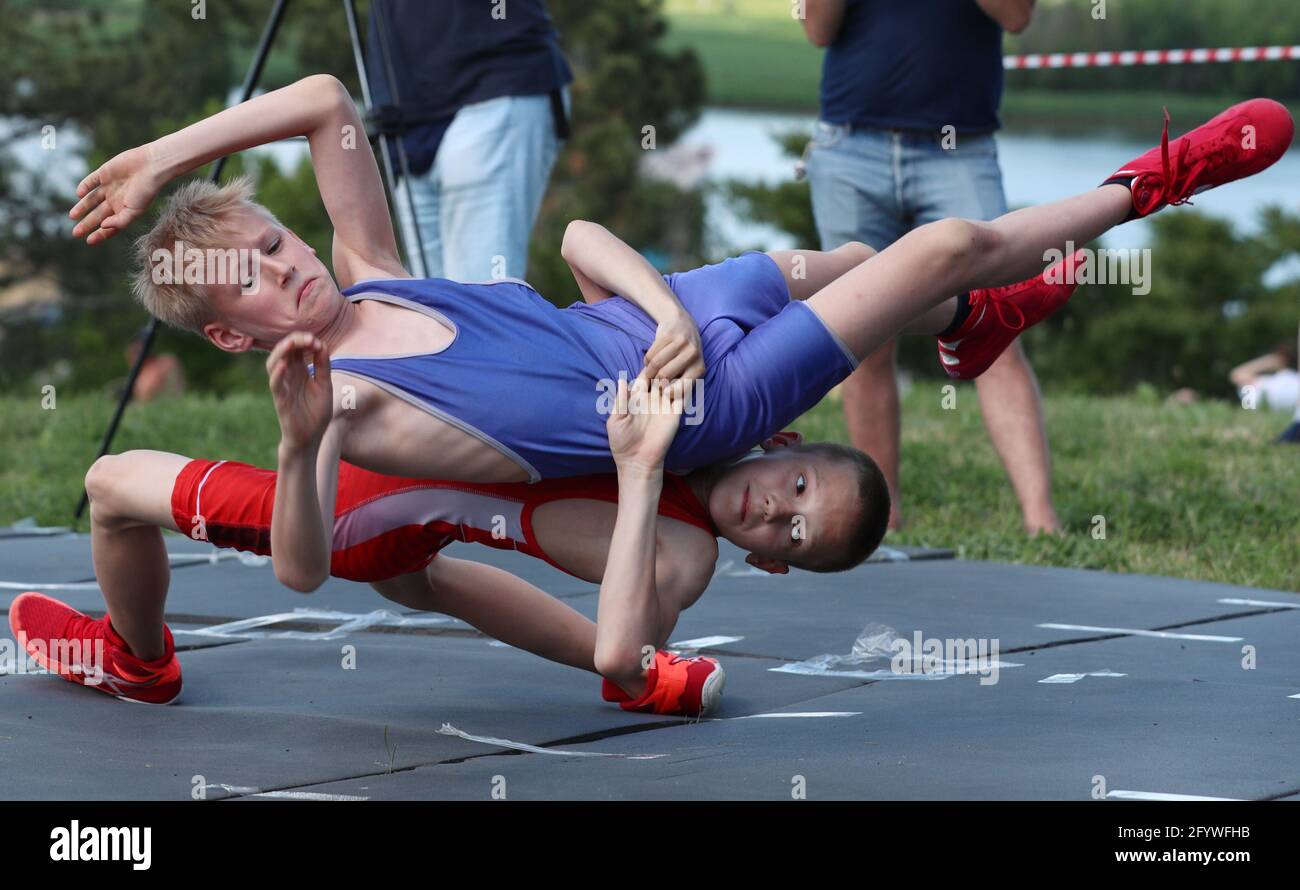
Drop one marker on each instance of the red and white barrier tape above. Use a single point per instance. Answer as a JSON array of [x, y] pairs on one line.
[[1151, 57]]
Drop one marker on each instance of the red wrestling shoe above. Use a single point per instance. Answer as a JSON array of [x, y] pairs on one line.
[[1239, 142], [674, 685], [77, 648], [999, 314]]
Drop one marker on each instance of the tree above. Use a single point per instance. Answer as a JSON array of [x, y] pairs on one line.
[[121, 72]]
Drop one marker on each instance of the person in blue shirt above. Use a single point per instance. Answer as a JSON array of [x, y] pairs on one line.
[[478, 94], [909, 102]]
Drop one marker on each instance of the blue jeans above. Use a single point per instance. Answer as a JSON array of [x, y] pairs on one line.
[[874, 186], [477, 204]]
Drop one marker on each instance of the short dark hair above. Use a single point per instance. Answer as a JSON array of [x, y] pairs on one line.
[[872, 517]]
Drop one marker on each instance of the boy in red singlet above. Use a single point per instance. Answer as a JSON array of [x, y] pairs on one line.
[[389, 531]]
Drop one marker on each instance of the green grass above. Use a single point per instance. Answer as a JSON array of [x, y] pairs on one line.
[[1192, 491], [1189, 491], [757, 57]]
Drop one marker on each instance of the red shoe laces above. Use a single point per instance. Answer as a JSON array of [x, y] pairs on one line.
[[998, 298], [1179, 182]]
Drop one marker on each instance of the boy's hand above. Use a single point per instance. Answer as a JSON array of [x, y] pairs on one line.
[[676, 351], [644, 423], [116, 194], [304, 404]]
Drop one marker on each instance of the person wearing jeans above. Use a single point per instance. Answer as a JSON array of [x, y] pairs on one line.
[[909, 100], [481, 104]]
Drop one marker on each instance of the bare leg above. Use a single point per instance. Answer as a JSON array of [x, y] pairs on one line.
[[1012, 411], [808, 271], [877, 300], [871, 409], [501, 605], [130, 504]]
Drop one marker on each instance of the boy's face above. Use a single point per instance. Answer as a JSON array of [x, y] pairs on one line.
[[785, 506], [294, 291]]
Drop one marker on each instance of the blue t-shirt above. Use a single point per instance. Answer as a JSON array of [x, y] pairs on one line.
[[914, 65], [451, 53]]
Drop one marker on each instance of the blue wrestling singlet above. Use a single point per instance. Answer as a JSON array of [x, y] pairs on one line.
[[531, 379]]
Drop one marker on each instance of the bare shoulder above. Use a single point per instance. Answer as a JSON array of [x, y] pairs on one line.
[[351, 269], [685, 559]]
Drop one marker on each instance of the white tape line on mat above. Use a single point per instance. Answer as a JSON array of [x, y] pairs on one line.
[[946, 670], [21, 585], [1075, 678], [1159, 795], [216, 556], [448, 729], [800, 714], [283, 795], [1233, 601], [1137, 632], [703, 642], [348, 622]]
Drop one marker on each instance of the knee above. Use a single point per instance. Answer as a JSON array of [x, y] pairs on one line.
[[102, 485], [618, 664], [960, 244], [857, 251]]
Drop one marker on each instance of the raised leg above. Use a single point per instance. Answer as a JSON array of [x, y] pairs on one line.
[[808, 271], [907, 281]]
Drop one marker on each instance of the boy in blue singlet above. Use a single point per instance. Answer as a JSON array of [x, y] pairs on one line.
[[492, 383]]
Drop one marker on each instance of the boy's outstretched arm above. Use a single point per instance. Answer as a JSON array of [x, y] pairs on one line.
[[317, 107]]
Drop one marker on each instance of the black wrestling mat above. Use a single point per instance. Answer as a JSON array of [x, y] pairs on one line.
[[915, 678]]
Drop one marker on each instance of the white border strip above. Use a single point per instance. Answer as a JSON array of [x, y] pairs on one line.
[[1136, 632], [245, 628], [775, 714], [1160, 795], [1233, 601], [703, 642], [1075, 678], [282, 795], [448, 729]]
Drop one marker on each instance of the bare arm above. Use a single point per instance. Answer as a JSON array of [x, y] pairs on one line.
[[1012, 15], [1245, 373], [317, 107], [302, 522], [603, 265], [822, 20], [628, 614], [302, 519]]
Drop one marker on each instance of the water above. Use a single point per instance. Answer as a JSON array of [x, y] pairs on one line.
[[726, 144], [1036, 168]]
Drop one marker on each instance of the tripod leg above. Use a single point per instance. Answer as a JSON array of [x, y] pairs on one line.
[[350, 10]]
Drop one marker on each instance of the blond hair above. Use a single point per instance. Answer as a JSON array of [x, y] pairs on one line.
[[198, 215]]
